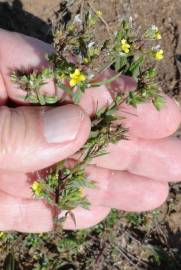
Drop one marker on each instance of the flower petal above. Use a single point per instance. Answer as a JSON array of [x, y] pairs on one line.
[[72, 83], [77, 72]]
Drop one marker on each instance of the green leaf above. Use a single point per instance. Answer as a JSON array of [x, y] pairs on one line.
[[120, 62], [150, 73], [72, 217], [134, 98], [135, 66], [67, 89], [125, 25], [76, 96], [158, 102], [9, 263], [41, 99], [47, 72], [51, 99], [85, 204], [101, 111], [100, 154], [90, 184], [32, 98], [92, 20], [135, 219], [106, 81], [13, 77]]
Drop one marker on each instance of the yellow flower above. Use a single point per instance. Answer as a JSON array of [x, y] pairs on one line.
[[158, 35], [159, 55], [1, 235], [86, 60], [76, 77], [99, 13], [81, 192], [125, 46], [37, 188]]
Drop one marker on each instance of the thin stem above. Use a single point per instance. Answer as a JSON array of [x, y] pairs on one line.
[[82, 10], [102, 19], [106, 81]]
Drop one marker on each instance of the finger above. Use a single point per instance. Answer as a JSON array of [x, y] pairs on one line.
[[32, 138], [143, 121], [20, 52], [156, 159], [17, 184], [24, 215], [125, 191], [85, 218], [146, 122]]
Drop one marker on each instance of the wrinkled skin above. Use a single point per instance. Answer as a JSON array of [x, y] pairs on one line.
[[134, 175]]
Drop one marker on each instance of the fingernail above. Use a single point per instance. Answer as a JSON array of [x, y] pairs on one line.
[[61, 124]]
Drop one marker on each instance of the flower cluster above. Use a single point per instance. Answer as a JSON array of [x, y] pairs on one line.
[[153, 33]]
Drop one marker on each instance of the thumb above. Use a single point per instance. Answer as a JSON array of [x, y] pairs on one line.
[[32, 138]]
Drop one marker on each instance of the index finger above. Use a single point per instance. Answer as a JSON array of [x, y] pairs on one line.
[[20, 52]]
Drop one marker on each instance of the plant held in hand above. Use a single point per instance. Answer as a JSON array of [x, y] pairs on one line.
[[73, 67]]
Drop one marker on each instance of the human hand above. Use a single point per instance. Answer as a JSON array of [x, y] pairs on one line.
[[134, 175]]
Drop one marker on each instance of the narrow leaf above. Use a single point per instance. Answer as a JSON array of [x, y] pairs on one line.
[[158, 102], [120, 62], [51, 99], [134, 67], [41, 99], [106, 81], [67, 89], [72, 217], [9, 263]]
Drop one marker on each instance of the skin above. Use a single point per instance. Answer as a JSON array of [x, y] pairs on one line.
[[134, 175]]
